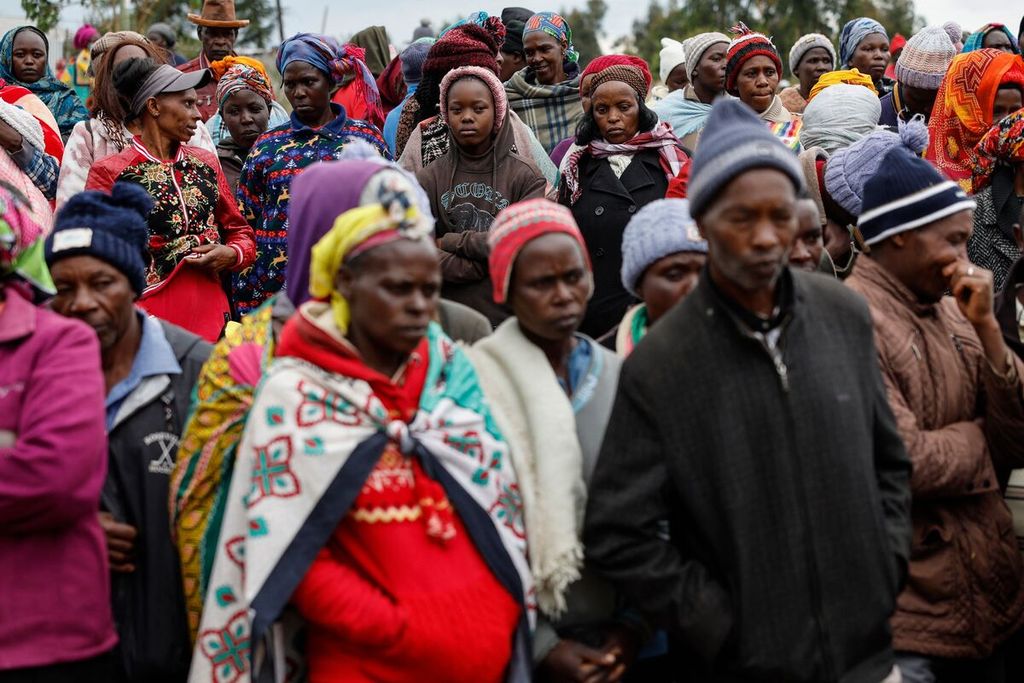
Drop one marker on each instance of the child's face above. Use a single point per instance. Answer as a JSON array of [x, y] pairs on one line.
[[471, 114]]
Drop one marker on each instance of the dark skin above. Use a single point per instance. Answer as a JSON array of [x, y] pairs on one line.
[[511, 62], [246, 116], [28, 58], [168, 121], [918, 101], [545, 55], [997, 40], [100, 295], [709, 77], [548, 293], [616, 111], [392, 293], [756, 83], [1008, 100], [750, 229], [677, 78], [471, 115], [309, 92], [813, 65], [668, 280], [585, 91], [838, 242], [871, 56], [158, 40], [218, 43], [932, 260], [808, 242]]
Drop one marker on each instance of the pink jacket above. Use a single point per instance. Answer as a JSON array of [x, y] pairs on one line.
[[54, 580]]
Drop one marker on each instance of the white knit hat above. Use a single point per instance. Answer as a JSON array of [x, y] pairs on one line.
[[671, 56], [23, 122], [805, 44], [698, 45], [925, 59]]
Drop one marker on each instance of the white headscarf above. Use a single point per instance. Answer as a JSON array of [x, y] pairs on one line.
[[838, 116]]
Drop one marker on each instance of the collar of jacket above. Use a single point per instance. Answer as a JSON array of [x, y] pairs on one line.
[[711, 296], [18, 316], [879, 276], [333, 127]]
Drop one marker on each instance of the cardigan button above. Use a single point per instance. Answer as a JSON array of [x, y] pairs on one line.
[[599, 252], [598, 211], [632, 208]]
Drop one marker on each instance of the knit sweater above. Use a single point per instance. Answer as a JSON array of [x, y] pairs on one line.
[[275, 159]]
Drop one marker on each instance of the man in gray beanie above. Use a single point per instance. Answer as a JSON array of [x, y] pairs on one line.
[[919, 72], [752, 494]]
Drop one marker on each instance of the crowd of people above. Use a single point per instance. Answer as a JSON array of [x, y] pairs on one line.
[[479, 359]]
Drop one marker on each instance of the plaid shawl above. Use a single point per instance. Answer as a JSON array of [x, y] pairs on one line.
[[963, 108], [552, 111]]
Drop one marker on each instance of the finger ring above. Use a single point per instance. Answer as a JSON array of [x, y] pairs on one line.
[[970, 271]]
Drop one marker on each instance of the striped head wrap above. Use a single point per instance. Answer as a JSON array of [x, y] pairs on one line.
[[853, 33], [628, 74], [745, 45], [338, 62], [518, 225], [601, 63], [556, 27], [976, 41], [243, 77]]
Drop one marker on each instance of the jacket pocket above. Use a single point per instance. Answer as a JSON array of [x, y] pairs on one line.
[[932, 581]]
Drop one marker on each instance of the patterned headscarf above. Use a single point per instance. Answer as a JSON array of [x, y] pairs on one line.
[[976, 41], [476, 18], [556, 27], [853, 33], [21, 243], [599, 64], [357, 231], [963, 108], [847, 76], [628, 74], [337, 61], [243, 77], [1003, 143]]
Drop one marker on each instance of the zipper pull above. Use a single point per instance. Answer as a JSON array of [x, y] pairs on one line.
[[783, 371]]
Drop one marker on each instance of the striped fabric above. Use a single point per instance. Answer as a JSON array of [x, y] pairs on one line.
[[552, 111]]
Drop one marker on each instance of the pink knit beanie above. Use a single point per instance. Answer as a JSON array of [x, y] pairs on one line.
[[481, 74]]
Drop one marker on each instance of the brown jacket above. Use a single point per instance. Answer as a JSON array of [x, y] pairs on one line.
[[963, 426]]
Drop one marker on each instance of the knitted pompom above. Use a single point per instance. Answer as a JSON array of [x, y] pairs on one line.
[[132, 196], [953, 30], [914, 134]]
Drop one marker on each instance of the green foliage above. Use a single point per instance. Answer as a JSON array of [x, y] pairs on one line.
[[784, 20], [586, 27], [43, 13]]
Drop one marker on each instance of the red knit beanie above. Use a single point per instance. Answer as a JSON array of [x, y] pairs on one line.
[[466, 45], [604, 61], [745, 45]]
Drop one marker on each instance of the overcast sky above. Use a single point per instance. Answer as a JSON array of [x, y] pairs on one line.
[[344, 17]]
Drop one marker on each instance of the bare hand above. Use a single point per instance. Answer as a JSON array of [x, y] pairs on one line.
[[120, 543], [972, 287], [215, 257], [621, 644], [574, 662], [10, 139]]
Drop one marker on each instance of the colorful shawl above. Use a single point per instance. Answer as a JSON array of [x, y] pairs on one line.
[[632, 329], [783, 124], [313, 438], [552, 111], [977, 39], [1002, 144], [670, 150], [686, 116], [61, 100], [963, 108], [556, 27], [21, 243]]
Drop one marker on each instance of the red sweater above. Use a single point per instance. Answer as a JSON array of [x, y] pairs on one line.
[[396, 595]]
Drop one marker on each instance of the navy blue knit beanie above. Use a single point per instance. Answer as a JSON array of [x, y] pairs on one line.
[[112, 227], [906, 193], [735, 140]]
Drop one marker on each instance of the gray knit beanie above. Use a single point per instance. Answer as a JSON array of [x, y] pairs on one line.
[[662, 227], [735, 140], [805, 44], [696, 46], [925, 59], [850, 167]]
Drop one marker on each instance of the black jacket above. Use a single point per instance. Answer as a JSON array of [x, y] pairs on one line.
[[602, 212], [1006, 308], [148, 604], [783, 481]]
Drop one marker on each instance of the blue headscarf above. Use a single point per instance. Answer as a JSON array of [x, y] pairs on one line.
[[977, 39], [478, 18], [61, 100], [337, 61], [853, 33]]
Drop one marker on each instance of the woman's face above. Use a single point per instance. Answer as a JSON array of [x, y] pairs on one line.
[[816, 62], [757, 81], [175, 114], [470, 112], [872, 55], [997, 40], [668, 280], [549, 287], [544, 55], [1008, 100], [710, 71], [308, 91], [246, 116], [616, 111], [28, 61]]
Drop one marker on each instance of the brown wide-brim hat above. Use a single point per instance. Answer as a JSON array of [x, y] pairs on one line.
[[218, 14]]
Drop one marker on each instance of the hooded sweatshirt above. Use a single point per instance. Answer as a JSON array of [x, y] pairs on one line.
[[466, 192]]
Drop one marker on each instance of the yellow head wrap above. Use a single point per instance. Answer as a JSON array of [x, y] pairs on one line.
[[352, 229], [849, 76], [220, 67]]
